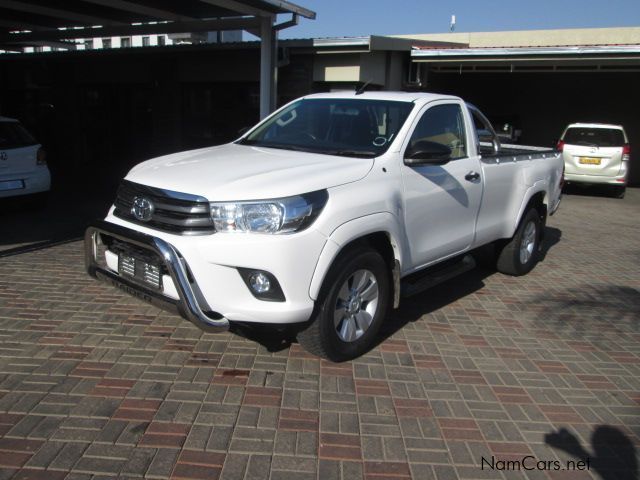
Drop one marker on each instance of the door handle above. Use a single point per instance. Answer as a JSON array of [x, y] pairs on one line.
[[472, 176]]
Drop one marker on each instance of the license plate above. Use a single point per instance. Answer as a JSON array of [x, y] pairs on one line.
[[139, 269], [11, 185], [589, 161]]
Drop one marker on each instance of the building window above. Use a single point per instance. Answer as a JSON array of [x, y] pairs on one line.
[[161, 40], [146, 41], [106, 43], [125, 42], [88, 44]]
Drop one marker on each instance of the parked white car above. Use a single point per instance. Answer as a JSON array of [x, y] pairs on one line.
[[323, 214], [596, 153], [23, 167]]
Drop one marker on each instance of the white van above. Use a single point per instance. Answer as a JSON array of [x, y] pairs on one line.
[[596, 153]]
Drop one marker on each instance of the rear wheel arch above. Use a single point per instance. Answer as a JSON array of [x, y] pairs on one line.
[[539, 201]]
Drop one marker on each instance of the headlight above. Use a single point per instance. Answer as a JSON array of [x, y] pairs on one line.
[[281, 215]]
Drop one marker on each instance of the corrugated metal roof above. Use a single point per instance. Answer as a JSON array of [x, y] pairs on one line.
[[422, 52]]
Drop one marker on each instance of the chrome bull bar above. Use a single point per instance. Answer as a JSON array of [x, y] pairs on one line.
[[187, 306]]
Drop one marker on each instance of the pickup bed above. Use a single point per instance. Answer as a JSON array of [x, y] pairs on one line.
[[323, 214]]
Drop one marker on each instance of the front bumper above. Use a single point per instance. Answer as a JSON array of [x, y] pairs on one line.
[[186, 305]]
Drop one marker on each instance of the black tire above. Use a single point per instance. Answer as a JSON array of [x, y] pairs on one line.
[[510, 261], [320, 335], [618, 192]]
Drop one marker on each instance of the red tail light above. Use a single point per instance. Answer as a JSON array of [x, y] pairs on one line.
[[626, 149], [41, 157], [560, 145]]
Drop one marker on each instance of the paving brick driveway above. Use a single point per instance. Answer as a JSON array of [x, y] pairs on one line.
[[95, 383]]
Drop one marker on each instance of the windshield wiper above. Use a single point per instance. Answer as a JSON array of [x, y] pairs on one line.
[[352, 153], [281, 146]]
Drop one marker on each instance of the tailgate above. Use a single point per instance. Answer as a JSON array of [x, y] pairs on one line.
[[16, 162], [18, 150], [588, 160]]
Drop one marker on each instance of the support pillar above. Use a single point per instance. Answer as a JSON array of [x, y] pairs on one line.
[[268, 66]]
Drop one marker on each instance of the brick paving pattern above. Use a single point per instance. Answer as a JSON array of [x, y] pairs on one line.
[[95, 384]]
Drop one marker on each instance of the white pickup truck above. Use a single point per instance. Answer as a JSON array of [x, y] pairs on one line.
[[323, 214]]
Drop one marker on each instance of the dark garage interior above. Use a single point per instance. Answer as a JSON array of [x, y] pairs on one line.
[[543, 104], [99, 113]]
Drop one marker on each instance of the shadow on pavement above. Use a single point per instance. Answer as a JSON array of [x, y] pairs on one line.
[[613, 455], [30, 224], [590, 310]]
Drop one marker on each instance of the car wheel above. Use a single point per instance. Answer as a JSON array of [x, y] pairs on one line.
[[618, 192], [520, 254], [351, 307]]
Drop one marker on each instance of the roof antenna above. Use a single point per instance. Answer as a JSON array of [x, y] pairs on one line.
[[360, 91]]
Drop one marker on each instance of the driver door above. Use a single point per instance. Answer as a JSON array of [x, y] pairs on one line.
[[441, 198]]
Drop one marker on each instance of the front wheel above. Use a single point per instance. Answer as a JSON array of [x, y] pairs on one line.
[[520, 254], [351, 307]]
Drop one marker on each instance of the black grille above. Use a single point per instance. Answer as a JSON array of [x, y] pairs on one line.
[[173, 212]]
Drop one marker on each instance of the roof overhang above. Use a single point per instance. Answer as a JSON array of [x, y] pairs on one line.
[[34, 22], [373, 43], [523, 53]]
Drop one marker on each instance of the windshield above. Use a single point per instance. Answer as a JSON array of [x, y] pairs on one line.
[[597, 137], [333, 126], [14, 135]]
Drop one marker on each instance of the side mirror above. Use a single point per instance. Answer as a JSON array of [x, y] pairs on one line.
[[427, 153]]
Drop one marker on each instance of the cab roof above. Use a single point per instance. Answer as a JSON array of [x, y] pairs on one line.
[[386, 95]]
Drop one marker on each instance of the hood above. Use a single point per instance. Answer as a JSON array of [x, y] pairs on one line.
[[240, 172]]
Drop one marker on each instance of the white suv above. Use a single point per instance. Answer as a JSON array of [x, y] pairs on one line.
[[596, 153]]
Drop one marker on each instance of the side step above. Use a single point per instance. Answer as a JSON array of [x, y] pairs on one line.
[[429, 277]]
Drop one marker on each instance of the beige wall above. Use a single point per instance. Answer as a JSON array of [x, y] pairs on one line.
[[538, 38]]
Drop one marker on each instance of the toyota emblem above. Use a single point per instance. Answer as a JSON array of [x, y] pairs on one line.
[[142, 209]]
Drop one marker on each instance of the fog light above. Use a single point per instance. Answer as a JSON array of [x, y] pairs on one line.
[[259, 282], [262, 284]]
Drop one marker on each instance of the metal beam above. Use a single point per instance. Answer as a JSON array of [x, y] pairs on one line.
[[289, 23], [55, 13], [129, 30], [20, 25], [141, 9], [267, 66], [289, 7]]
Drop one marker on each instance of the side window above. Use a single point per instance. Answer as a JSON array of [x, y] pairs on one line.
[[443, 125]]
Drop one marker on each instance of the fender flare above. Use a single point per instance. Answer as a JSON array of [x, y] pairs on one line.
[[537, 188], [350, 231]]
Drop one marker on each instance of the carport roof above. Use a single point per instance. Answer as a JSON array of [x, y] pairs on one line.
[[24, 22]]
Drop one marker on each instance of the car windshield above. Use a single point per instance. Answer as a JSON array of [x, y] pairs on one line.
[[597, 137], [14, 135], [333, 126]]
